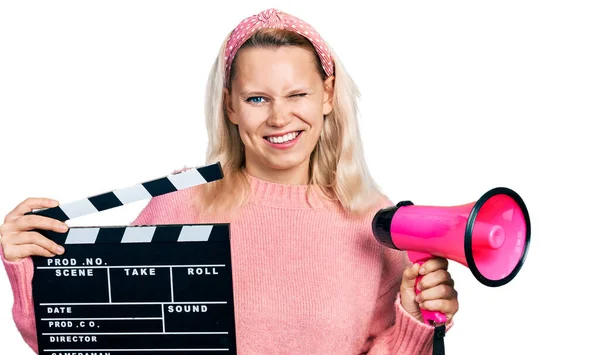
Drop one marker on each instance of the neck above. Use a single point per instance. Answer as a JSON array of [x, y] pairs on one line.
[[297, 175]]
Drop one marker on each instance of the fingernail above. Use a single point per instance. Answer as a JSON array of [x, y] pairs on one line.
[[60, 249], [418, 299], [422, 271], [419, 286], [64, 227]]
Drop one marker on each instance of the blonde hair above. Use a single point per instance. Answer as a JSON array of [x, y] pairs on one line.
[[337, 164]]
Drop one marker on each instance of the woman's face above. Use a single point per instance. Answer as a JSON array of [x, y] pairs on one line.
[[278, 101]]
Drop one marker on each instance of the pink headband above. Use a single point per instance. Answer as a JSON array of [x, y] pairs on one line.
[[273, 18]]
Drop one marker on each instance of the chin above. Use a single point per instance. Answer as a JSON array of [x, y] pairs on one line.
[[286, 163]]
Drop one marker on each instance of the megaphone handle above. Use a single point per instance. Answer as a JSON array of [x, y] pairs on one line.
[[428, 316]]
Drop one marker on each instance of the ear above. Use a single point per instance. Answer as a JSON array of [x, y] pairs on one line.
[[328, 95], [228, 106]]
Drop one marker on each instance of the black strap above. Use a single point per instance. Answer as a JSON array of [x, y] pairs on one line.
[[438, 339]]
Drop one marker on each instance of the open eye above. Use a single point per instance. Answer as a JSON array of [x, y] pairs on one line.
[[255, 99]]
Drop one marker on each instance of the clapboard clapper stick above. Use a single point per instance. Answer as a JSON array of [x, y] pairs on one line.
[[164, 185]]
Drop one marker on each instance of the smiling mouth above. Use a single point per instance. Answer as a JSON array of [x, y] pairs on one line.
[[284, 138]]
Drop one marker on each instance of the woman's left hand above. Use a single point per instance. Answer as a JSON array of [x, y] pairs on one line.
[[436, 288]]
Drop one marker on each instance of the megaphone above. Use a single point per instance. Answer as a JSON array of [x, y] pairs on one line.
[[489, 236]]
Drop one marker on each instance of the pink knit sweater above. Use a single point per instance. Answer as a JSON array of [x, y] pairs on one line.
[[307, 279]]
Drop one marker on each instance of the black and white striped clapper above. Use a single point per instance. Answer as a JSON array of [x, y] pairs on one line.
[[138, 289]]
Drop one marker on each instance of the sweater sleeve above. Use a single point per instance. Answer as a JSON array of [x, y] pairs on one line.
[[20, 275], [393, 330]]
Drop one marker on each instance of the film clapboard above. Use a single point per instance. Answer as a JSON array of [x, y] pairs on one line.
[[136, 289]]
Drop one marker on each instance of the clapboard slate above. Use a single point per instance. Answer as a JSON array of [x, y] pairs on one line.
[[151, 289]]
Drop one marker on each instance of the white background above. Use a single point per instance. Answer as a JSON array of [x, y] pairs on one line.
[[458, 97]]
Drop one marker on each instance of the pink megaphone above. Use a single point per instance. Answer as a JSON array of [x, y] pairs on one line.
[[490, 236]]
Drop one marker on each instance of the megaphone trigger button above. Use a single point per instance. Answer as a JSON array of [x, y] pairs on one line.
[[404, 203]]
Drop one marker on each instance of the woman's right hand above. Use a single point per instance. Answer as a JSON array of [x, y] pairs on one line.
[[17, 235]]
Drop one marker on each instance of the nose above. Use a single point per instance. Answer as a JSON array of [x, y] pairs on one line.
[[279, 116]]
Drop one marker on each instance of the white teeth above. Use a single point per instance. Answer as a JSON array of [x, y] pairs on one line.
[[285, 138]]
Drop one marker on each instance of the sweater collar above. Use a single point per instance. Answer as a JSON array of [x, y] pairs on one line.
[[285, 196]]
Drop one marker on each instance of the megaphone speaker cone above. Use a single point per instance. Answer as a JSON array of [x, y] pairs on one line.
[[498, 261]]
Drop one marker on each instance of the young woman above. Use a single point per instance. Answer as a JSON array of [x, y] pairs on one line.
[[309, 276]]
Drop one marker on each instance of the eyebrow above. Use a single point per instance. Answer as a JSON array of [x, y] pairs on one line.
[[299, 90], [252, 93], [261, 93]]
